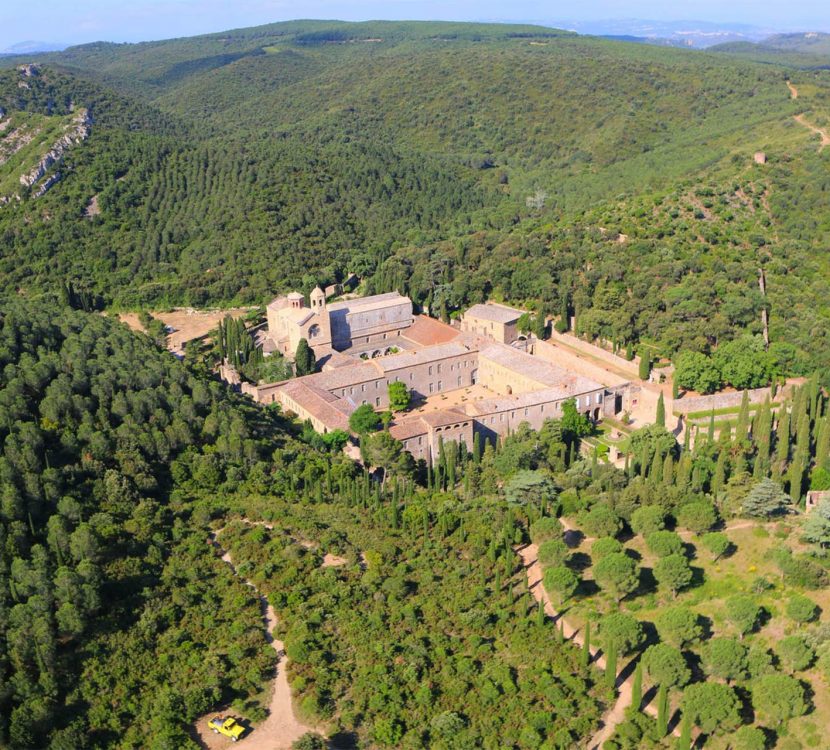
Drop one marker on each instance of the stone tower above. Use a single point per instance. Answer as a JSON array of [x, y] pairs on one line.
[[317, 298]]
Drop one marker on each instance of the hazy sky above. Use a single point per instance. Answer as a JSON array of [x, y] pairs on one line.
[[76, 21]]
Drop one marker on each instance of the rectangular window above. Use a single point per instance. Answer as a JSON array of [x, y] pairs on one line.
[[501, 417], [459, 381], [439, 385], [439, 369], [525, 411], [377, 401], [599, 398], [351, 391], [429, 372], [363, 388], [431, 388]]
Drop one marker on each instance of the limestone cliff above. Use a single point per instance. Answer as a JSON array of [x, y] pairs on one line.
[[77, 132]]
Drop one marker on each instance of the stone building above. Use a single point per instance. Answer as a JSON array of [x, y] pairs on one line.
[[495, 321], [422, 434], [380, 318]]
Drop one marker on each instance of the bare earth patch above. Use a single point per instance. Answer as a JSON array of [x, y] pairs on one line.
[[333, 561]]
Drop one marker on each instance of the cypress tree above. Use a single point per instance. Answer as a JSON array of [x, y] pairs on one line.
[[719, 478], [782, 435], [611, 666], [540, 614], [710, 435], [662, 710], [742, 426], [585, 657], [668, 470], [477, 448], [637, 686], [645, 366], [685, 741], [655, 474], [661, 411]]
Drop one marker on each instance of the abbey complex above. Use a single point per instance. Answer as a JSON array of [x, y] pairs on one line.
[[481, 375]]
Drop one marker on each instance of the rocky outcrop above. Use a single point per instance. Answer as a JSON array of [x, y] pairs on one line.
[[79, 131]]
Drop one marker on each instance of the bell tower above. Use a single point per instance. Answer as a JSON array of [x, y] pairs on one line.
[[317, 298]]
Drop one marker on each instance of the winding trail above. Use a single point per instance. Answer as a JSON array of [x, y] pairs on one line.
[[801, 120], [625, 677], [825, 137], [282, 727]]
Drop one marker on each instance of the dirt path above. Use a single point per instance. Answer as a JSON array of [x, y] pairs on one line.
[[282, 727], [825, 138], [793, 90], [616, 714]]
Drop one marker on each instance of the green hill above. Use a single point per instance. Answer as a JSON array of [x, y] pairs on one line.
[[230, 166]]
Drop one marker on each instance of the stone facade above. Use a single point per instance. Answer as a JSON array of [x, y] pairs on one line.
[[380, 318], [519, 387], [497, 322]]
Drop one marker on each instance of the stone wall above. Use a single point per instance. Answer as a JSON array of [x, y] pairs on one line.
[[631, 368], [727, 400]]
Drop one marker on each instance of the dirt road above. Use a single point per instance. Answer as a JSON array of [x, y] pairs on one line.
[[793, 90], [616, 714], [282, 727], [825, 137]]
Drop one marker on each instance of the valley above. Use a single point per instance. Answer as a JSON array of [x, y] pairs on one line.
[[404, 385]]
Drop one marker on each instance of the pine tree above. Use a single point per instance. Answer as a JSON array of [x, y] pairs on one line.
[[660, 419]]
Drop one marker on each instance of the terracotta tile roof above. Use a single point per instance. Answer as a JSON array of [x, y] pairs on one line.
[[408, 427], [331, 411], [495, 312], [420, 424], [428, 331], [442, 417]]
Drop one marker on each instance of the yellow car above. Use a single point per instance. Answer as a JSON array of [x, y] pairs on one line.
[[228, 727]]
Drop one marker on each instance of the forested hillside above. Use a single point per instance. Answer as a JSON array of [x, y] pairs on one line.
[[508, 160], [119, 625], [107, 592]]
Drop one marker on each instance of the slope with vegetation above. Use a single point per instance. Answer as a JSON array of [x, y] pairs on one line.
[[454, 161]]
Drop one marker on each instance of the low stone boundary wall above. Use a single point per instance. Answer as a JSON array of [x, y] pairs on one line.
[[730, 399]]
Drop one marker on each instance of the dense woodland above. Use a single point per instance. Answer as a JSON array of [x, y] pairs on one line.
[[230, 167]]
